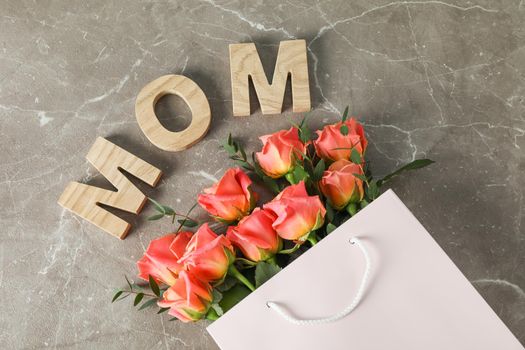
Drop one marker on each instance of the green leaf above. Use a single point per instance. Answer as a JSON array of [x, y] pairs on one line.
[[155, 217], [168, 210], [117, 294], [229, 141], [243, 153], [330, 227], [162, 309], [361, 177], [218, 309], [304, 133], [345, 113], [319, 170], [344, 129], [416, 164], [148, 303], [159, 207], [211, 314], [227, 284], [352, 209], [230, 149], [217, 296], [154, 286], [299, 174], [173, 319], [329, 211], [187, 222], [264, 271], [138, 299], [372, 190], [355, 157], [233, 296]]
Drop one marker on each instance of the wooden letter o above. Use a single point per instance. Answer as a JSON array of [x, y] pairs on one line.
[[194, 97]]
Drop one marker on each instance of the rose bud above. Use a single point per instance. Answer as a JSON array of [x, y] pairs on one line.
[[188, 298], [208, 255], [340, 185], [280, 152], [255, 236], [158, 260], [297, 213], [230, 199], [332, 145]]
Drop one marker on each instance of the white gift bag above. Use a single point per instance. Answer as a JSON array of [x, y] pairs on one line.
[[394, 288]]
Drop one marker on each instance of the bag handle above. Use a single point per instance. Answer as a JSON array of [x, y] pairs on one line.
[[341, 314]]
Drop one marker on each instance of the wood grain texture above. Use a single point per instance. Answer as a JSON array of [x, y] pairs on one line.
[[108, 159], [194, 97], [291, 60]]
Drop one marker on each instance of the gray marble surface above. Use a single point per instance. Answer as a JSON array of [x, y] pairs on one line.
[[441, 79]]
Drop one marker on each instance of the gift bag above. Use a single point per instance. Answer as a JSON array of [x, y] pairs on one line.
[[379, 281]]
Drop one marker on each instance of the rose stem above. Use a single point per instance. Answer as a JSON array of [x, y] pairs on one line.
[[235, 273]]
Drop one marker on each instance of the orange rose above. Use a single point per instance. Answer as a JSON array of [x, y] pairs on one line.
[[230, 199], [255, 236], [339, 184], [208, 255], [280, 151], [332, 145], [159, 262], [297, 213], [188, 299]]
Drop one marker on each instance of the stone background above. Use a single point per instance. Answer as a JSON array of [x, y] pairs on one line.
[[437, 79]]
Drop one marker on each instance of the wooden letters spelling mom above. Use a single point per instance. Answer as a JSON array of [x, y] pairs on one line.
[[110, 160]]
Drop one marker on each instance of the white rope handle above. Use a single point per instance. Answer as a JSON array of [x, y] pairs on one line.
[[341, 314]]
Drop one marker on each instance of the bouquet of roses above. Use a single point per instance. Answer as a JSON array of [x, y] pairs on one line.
[[316, 185]]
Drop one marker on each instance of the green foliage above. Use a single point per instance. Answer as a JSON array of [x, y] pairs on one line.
[[148, 303], [361, 177], [226, 284], [117, 295], [156, 217], [162, 309], [141, 294], [344, 128], [236, 152], [297, 175], [188, 222], [138, 298], [304, 131], [345, 114], [416, 164], [154, 286], [319, 170], [158, 207], [355, 156], [264, 271], [330, 227], [218, 309], [186, 218], [329, 211], [164, 210], [231, 297], [372, 190]]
